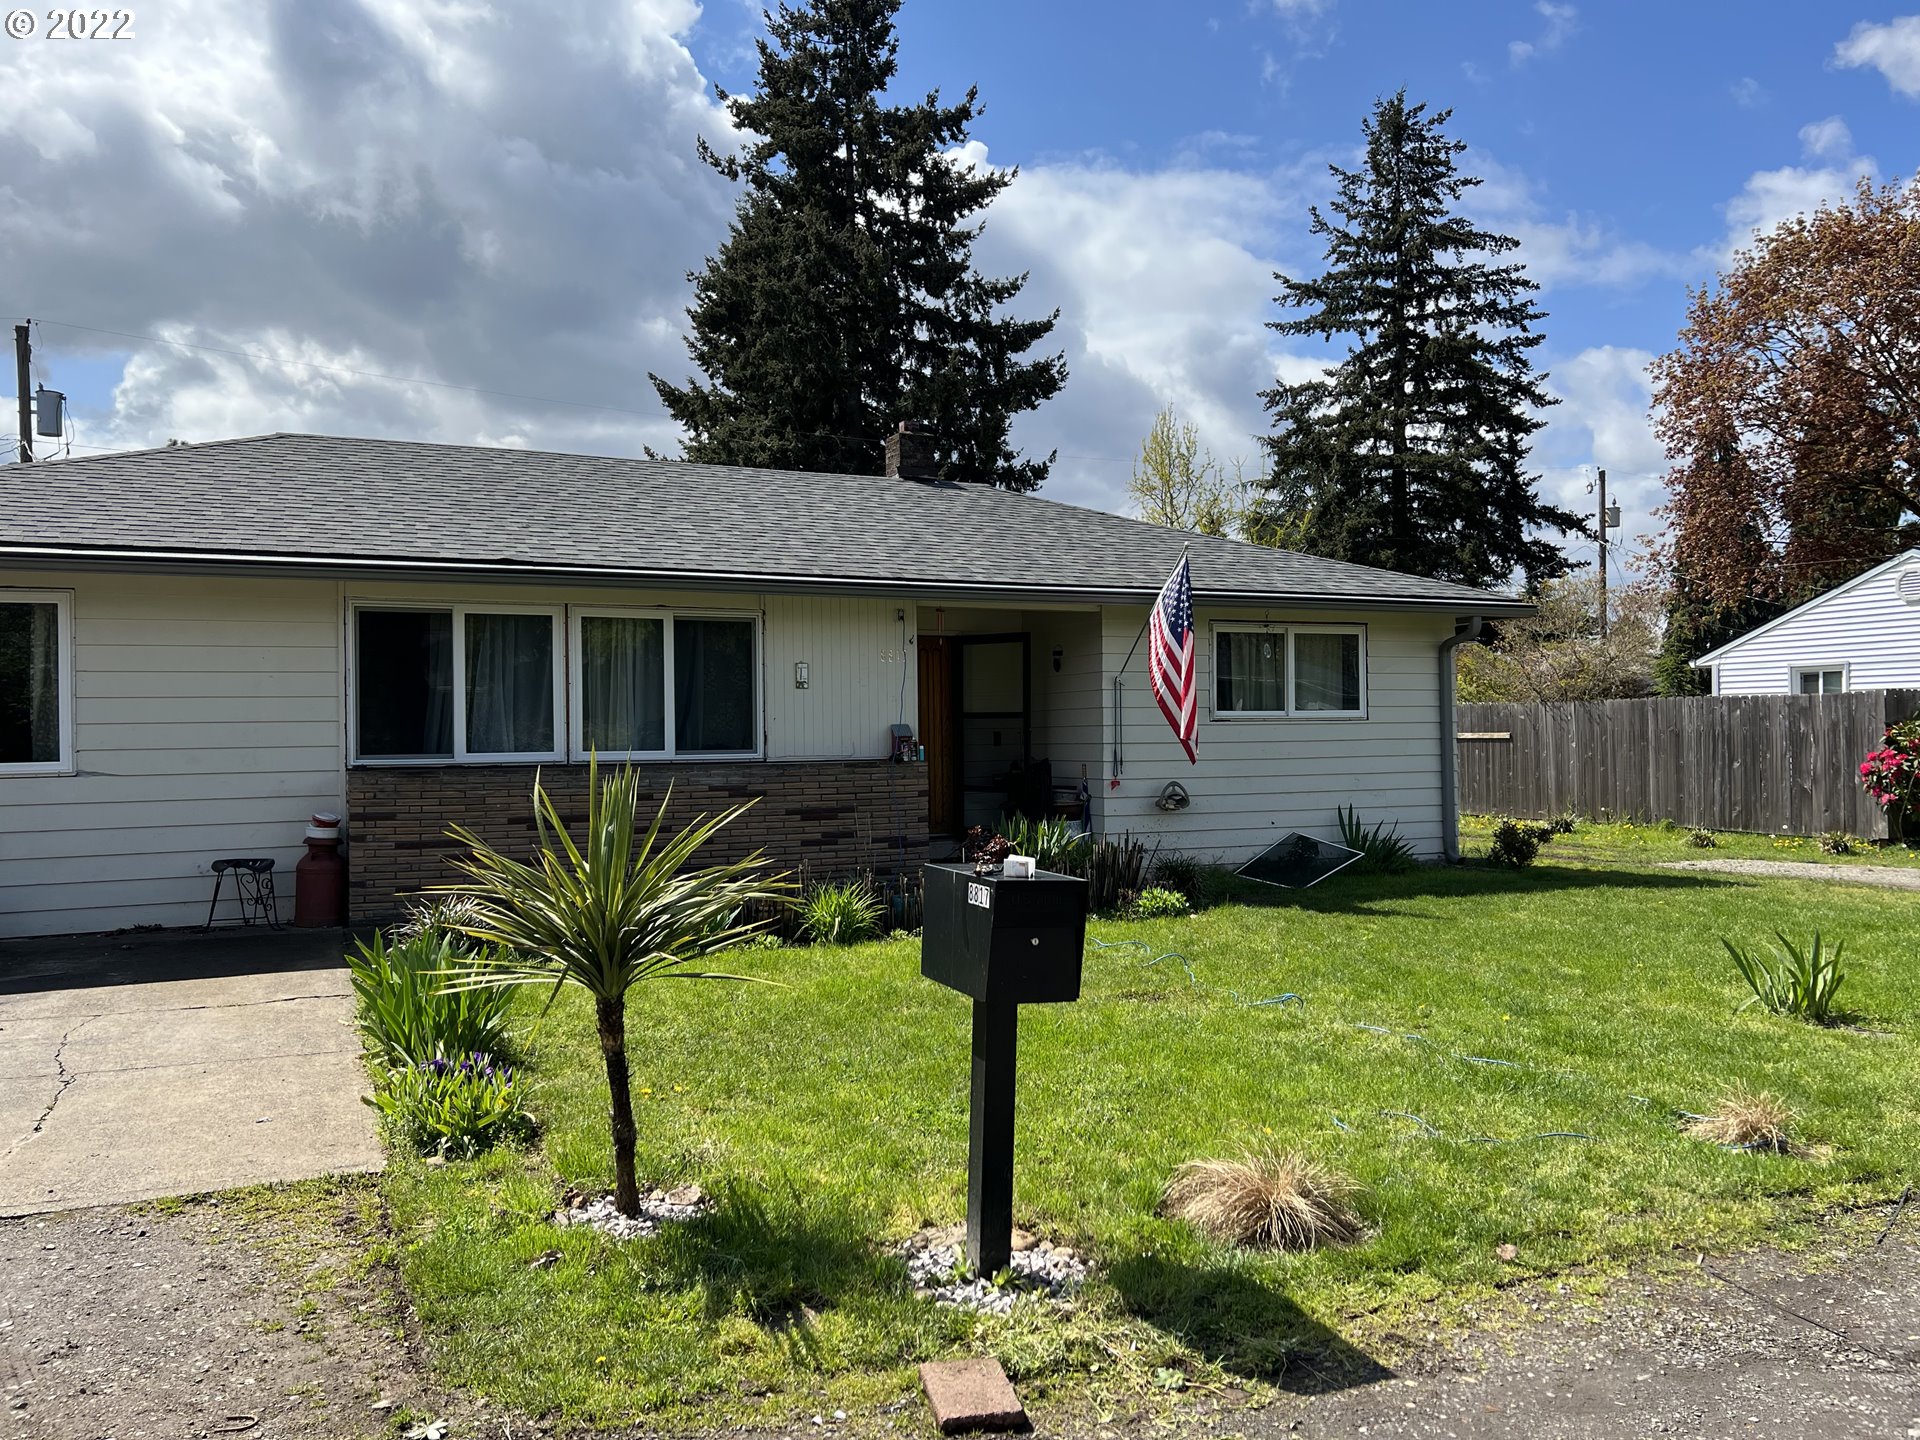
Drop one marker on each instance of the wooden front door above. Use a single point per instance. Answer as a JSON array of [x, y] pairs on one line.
[[938, 709]]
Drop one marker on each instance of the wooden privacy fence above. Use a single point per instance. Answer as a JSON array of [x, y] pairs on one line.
[[1786, 764]]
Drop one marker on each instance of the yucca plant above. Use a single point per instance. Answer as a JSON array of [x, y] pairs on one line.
[[1383, 849], [1793, 980], [615, 908]]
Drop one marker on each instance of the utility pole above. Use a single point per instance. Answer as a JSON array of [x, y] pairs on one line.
[[23, 364], [1603, 554]]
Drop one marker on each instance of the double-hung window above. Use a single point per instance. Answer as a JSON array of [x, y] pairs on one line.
[[653, 685], [36, 682], [457, 682], [1289, 671]]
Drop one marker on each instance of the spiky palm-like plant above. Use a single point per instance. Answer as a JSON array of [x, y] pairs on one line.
[[619, 907]]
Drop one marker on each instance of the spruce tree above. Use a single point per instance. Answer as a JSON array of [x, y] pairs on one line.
[[1411, 454], [844, 299]]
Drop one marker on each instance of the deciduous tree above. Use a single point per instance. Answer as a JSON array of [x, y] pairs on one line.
[[1791, 408], [1558, 653]]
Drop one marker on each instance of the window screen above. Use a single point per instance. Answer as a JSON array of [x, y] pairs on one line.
[[1326, 672], [623, 684], [509, 684], [29, 683], [1250, 671], [404, 687], [713, 686]]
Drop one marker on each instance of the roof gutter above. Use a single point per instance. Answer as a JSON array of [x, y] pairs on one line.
[[514, 571], [1465, 634]]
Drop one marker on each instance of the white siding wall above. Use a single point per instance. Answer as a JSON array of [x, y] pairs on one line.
[[207, 724], [1068, 728], [860, 659], [1258, 779], [1869, 629]]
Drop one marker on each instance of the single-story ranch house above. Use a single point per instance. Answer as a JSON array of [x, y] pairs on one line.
[[1862, 635], [201, 645]]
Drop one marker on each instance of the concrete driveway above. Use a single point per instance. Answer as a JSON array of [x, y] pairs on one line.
[[133, 1067]]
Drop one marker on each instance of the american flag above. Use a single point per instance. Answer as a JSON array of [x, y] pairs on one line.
[[1170, 666]]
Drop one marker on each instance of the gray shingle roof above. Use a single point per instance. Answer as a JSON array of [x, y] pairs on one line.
[[317, 500]]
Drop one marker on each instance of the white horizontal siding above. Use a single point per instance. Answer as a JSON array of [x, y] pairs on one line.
[[1865, 628], [1258, 779], [206, 725]]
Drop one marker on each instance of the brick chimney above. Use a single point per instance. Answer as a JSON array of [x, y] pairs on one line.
[[910, 453]]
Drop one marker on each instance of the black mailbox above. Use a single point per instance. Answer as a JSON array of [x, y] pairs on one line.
[[1007, 942]]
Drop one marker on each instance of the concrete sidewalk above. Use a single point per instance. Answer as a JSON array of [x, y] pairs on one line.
[[133, 1067]]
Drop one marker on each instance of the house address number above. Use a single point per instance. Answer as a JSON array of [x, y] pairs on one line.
[[979, 895]]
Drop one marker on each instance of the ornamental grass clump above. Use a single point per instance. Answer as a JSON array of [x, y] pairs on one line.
[[1797, 980], [840, 912], [1280, 1201], [617, 906], [409, 1007], [1747, 1121]]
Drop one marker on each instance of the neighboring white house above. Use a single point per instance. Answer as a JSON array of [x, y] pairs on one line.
[[202, 645], [1863, 635]]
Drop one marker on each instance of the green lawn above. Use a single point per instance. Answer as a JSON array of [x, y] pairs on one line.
[[829, 1116], [1627, 843]]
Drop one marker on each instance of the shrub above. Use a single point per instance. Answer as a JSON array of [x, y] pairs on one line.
[[438, 917], [840, 912], [979, 848], [1891, 774], [406, 1012], [1382, 848], [1174, 871], [1158, 904], [452, 1106], [1284, 1201], [1836, 842], [1703, 839], [1517, 842], [1746, 1121], [1054, 844], [1792, 980]]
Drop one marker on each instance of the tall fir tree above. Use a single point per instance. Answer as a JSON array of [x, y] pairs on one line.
[[844, 299], [1411, 454]]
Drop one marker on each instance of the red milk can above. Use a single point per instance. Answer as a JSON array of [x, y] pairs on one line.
[[320, 879]]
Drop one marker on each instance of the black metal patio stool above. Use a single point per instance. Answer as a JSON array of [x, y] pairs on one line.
[[253, 888]]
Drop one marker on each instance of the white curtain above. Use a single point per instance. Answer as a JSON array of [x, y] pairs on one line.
[[1252, 670], [623, 680], [1326, 672], [509, 684]]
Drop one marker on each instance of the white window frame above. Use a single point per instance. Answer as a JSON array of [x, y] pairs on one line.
[[62, 601], [1286, 631], [1846, 678], [556, 615], [576, 682]]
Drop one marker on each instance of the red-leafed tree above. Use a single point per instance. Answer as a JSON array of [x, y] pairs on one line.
[[1791, 409]]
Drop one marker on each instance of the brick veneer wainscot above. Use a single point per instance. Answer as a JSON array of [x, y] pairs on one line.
[[836, 816]]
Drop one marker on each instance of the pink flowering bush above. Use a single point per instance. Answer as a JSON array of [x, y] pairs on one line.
[[1892, 773]]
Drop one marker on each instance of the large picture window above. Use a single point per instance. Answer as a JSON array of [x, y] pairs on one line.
[[1289, 671], [458, 682], [658, 686], [36, 682]]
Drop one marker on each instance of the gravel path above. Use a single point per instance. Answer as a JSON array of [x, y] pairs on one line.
[[1886, 877]]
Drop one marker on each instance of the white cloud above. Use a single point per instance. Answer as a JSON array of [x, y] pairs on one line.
[[1568, 249], [1893, 49], [436, 189], [1826, 139], [1602, 421], [1561, 20], [1771, 196], [1748, 93]]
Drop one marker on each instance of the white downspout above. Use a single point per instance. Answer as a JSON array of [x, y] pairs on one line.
[[1449, 801]]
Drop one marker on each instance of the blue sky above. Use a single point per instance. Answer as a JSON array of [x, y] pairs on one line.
[[427, 190]]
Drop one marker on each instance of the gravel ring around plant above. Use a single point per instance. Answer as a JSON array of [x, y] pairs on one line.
[[657, 1208], [1038, 1270]]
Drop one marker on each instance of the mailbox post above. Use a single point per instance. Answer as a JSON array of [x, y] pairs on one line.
[[1004, 943]]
